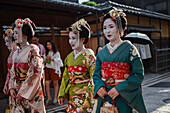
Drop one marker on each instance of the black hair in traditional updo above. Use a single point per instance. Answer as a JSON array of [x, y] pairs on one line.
[[123, 21], [84, 34], [27, 30]]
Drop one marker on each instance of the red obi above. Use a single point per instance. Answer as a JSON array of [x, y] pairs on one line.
[[9, 65], [21, 65], [77, 69], [115, 72]]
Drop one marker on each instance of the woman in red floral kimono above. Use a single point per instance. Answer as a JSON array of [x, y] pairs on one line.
[[26, 73]]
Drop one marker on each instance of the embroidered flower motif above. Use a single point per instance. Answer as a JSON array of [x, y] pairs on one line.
[[89, 110], [76, 101], [131, 58], [115, 76], [80, 68], [126, 76], [134, 52], [81, 101], [93, 101], [87, 94], [78, 109]]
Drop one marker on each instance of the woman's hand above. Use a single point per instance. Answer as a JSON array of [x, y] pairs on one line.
[[113, 93], [13, 93], [102, 92], [5, 90], [48, 57], [61, 101]]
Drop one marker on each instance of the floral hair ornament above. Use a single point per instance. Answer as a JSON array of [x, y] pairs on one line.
[[29, 22], [9, 33], [19, 23], [76, 27], [116, 15]]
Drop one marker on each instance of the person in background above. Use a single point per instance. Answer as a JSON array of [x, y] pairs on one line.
[[35, 40], [52, 70]]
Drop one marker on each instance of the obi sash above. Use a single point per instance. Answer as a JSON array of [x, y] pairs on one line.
[[9, 65], [78, 74], [21, 70], [115, 72]]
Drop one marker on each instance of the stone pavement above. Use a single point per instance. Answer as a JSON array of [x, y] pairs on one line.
[[157, 96], [157, 99]]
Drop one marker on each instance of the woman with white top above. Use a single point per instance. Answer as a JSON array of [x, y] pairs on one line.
[[52, 70]]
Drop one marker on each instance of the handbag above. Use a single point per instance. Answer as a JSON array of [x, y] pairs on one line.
[[108, 108], [9, 108]]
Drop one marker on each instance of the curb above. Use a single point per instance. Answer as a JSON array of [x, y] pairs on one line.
[[155, 79]]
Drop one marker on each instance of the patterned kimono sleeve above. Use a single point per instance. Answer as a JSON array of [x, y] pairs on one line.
[[97, 77], [32, 83], [12, 79], [64, 83], [130, 89], [7, 78]]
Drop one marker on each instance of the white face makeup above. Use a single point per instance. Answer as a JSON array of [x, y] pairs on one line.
[[7, 42], [73, 40], [16, 38], [110, 30]]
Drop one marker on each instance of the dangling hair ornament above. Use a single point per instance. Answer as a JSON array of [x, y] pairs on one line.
[[19, 23], [76, 27], [27, 21], [9, 33], [116, 15]]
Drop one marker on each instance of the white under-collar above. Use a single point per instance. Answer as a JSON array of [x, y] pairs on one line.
[[113, 48], [79, 53]]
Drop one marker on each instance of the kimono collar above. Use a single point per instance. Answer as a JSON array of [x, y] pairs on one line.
[[79, 53], [113, 48]]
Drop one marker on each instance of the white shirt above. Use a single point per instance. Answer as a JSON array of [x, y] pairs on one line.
[[56, 64]]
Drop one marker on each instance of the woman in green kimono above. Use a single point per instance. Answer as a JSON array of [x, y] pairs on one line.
[[119, 70], [76, 85]]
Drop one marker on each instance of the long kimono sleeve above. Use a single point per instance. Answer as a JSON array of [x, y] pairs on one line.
[[63, 92], [32, 82], [91, 68], [130, 88], [7, 78], [12, 80], [97, 77]]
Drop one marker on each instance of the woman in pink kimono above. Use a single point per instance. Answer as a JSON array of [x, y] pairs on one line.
[[26, 73], [12, 47]]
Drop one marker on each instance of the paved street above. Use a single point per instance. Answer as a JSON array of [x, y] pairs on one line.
[[156, 91], [157, 96]]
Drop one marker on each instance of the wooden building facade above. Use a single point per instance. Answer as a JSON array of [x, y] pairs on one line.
[[57, 15]]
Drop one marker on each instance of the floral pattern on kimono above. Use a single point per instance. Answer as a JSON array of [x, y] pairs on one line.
[[30, 89], [130, 96], [79, 96]]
